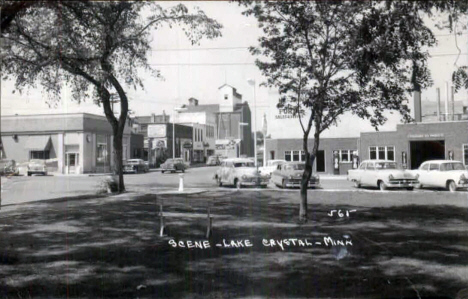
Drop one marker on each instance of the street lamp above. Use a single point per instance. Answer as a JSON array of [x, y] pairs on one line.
[[241, 124], [176, 109], [252, 82]]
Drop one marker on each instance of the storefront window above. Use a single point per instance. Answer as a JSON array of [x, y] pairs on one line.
[[302, 156], [295, 155], [42, 155], [287, 155], [102, 155], [345, 155]]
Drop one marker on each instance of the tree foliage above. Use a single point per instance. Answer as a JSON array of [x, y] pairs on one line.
[[96, 48], [332, 57]]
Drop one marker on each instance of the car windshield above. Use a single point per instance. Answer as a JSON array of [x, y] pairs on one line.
[[131, 162], [385, 165], [170, 161], [298, 166], [244, 164], [37, 161], [451, 166]]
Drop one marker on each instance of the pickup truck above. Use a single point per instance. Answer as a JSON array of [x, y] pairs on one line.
[[383, 174]]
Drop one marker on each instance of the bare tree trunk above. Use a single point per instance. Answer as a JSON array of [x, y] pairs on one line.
[[118, 158], [309, 163]]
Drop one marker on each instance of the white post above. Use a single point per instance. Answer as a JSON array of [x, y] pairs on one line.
[[264, 149], [181, 182]]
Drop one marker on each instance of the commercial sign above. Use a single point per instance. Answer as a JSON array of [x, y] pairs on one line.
[[157, 130], [286, 112], [419, 136], [159, 143]]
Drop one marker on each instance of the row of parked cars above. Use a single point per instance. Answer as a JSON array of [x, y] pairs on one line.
[[447, 174], [383, 174], [34, 166], [241, 172]]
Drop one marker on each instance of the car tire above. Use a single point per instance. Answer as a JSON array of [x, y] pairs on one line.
[[410, 188], [451, 186], [382, 186], [283, 184], [29, 174], [162, 171], [220, 184], [183, 170], [357, 184]]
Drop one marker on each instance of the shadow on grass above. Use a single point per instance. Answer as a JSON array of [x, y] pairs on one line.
[[112, 248]]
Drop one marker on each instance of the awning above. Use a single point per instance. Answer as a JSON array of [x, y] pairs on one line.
[[38, 143]]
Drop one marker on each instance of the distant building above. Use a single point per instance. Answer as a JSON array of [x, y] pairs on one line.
[[225, 127], [70, 143]]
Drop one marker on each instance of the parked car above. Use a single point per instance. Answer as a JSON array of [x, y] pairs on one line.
[[240, 172], [289, 174], [36, 166], [447, 174], [8, 167], [173, 165], [135, 166], [213, 161], [383, 174], [271, 166]]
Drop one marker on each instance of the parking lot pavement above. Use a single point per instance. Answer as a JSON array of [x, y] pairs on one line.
[[20, 189]]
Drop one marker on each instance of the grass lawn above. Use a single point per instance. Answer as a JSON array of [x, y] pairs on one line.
[[110, 247]]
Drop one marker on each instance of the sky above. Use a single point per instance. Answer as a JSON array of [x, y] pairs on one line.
[[197, 71]]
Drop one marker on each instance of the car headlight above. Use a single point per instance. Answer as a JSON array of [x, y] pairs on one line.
[[462, 177], [390, 177], [417, 176], [290, 177]]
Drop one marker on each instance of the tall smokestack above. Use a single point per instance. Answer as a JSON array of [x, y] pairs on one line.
[[446, 101], [453, 102], [438, 104], [417, 106]]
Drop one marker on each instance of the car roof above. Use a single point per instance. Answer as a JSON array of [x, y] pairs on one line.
[[441, 161], [238, 160]]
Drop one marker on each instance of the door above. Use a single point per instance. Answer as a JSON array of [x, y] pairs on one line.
[[320, 161], [71, 162]]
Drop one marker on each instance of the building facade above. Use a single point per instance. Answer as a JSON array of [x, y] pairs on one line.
[[70, 143]]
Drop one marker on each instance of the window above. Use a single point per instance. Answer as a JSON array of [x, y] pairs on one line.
[[382, 153], [303, 156], [345, 155], [287, 155], [425, 167], [434, 167], [370, 166], [295, 155], [372, 153], [363, 166], [226, 97], [465, 154], [101, 150], [43, 155]]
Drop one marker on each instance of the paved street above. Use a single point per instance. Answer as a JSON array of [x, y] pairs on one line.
[[21, 189]]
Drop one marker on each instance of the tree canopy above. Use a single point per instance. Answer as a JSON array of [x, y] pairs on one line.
[[96, 48], [332, 57]]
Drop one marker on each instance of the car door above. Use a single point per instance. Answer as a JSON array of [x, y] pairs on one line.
[[423, 173], [368, 175], [278, 173], [434, 175]]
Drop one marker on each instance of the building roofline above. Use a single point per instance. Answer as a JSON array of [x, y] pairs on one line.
[[55, 115]]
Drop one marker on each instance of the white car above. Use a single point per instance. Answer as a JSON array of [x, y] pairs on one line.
[[36, 166], [383, 174], [240, 172], [443, 174], [270, 167]]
